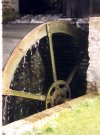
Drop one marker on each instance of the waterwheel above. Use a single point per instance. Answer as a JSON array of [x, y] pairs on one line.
[[38, 73]]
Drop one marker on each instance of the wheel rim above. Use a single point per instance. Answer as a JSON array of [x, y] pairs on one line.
[[27, 43], [22, 49]]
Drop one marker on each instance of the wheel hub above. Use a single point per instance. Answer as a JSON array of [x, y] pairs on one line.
[[57, 94]]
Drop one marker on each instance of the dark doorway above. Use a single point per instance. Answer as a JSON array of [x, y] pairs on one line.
[[31, 7], [39, 6]]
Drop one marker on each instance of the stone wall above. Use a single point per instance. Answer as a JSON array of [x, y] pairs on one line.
[[10, 9], [11, 4], [93, 73]]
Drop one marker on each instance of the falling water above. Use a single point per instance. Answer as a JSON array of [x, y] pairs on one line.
[[70, 8], [80, 8], [33, 75], [29, 77]]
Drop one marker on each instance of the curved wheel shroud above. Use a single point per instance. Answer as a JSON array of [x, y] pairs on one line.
[[25, 47]]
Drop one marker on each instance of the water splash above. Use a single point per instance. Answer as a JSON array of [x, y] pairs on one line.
[[29, 77]]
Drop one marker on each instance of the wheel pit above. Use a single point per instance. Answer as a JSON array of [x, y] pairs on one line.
[[34, 74]]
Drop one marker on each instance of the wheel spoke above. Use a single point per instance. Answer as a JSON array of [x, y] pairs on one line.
[[17, 93], [52, 52]]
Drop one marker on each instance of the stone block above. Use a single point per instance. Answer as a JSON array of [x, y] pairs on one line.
[[93, 73]]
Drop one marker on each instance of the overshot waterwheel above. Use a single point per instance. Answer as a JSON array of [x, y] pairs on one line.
[[38, 73]]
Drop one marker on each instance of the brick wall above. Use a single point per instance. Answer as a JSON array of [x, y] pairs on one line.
[[93, 73]]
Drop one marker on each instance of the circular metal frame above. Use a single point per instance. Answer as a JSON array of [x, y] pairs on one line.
[[58, 93]]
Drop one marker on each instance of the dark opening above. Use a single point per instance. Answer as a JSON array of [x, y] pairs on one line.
[[39, 6], [67, 51]]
